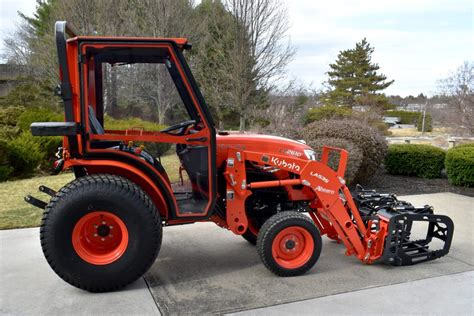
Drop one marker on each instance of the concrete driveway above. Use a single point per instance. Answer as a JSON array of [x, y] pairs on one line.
[[204, 269]]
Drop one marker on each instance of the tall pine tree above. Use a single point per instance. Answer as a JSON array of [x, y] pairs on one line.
[[354, 79]]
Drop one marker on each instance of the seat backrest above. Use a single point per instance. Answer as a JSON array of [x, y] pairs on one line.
[[96, 128]]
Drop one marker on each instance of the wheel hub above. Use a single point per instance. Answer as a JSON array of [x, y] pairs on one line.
[[103, 230], [290, 244], [100, 238]]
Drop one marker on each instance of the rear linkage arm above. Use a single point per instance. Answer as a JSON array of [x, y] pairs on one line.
[[37, 202]]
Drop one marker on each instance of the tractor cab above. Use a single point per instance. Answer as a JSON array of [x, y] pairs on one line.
[[128, 100]]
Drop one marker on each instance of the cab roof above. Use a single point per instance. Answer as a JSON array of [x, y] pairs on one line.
[[181, 42]]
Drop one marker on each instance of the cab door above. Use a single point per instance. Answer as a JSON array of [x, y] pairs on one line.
[[144, 96]]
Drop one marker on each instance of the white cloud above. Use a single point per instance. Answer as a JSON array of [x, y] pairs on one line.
[[9, 18], [416, 42]]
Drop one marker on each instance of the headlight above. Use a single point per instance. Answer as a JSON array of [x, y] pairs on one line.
[[310, 154]]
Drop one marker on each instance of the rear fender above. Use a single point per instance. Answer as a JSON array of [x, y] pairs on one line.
[[160, 193]]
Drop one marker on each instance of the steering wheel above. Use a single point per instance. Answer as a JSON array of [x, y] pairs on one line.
[[180, 126]]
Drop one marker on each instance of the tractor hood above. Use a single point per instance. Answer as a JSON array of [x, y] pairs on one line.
[[257, 142]]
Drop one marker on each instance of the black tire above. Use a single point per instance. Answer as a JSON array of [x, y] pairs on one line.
[[257, 223], [106, 193], [272, 227], [250, 237]]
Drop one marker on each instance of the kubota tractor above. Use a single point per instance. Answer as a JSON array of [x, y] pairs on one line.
[[104, 229]]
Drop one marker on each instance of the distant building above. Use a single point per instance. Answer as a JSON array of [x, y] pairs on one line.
[[391, 120]]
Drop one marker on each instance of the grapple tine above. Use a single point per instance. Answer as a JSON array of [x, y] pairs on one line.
[[400, 250]]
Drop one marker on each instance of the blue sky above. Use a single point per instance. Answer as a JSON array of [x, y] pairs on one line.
[[416, 42]]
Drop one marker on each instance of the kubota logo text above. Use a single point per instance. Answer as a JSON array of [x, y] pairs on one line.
[[283, 163]]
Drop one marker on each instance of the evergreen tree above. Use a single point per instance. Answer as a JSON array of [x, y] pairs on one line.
[[354, 79], [210, 57]]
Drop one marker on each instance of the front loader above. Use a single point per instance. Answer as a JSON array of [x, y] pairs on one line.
[[104, 229]]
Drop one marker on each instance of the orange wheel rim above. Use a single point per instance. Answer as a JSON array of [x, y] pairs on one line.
[[100, 238], [292, 247]]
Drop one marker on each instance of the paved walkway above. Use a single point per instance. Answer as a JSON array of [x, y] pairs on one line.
[[204, 269], [446, 295]]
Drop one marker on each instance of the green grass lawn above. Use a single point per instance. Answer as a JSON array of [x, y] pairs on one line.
[[16, 213]]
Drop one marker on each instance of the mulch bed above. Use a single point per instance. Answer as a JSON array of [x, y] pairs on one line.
[[403, 185]]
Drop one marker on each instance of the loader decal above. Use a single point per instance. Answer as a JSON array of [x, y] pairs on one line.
[[324, 190], [291, 152], [319, 176]]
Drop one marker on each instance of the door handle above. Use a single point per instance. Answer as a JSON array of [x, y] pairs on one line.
[[198, 139]]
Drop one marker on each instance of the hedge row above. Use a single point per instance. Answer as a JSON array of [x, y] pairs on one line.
[[414, 118], [406, 117], [415, 160], [460, 165], [428, 162]]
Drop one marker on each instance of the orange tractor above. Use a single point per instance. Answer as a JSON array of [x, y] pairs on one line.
[[104, 229]]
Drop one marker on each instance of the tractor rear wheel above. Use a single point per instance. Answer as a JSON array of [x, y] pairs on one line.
[[100, 232], [289, 244]]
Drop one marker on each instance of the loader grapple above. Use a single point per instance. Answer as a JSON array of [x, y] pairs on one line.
[[403, 222], [401, 251]]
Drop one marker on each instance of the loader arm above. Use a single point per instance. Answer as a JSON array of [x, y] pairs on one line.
[[382, 234]]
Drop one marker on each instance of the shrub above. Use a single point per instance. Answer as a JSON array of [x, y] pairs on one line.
[[415, 160], [327, 112], [406, 117], [155, 149], [8, 120], [9, 115], [428, 123], [5, 168], [460, 165], [464, 145], [123, 124], [355, 154], [8, 132], [31, 92], [24, 154], [5, 171], [48, 146], [381, 126], [367, 139], [31, 115]]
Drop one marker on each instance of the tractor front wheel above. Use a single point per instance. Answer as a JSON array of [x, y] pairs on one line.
[[100, 232], [289, 244]]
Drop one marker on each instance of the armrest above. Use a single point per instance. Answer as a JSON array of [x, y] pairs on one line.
[[54, 128]]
